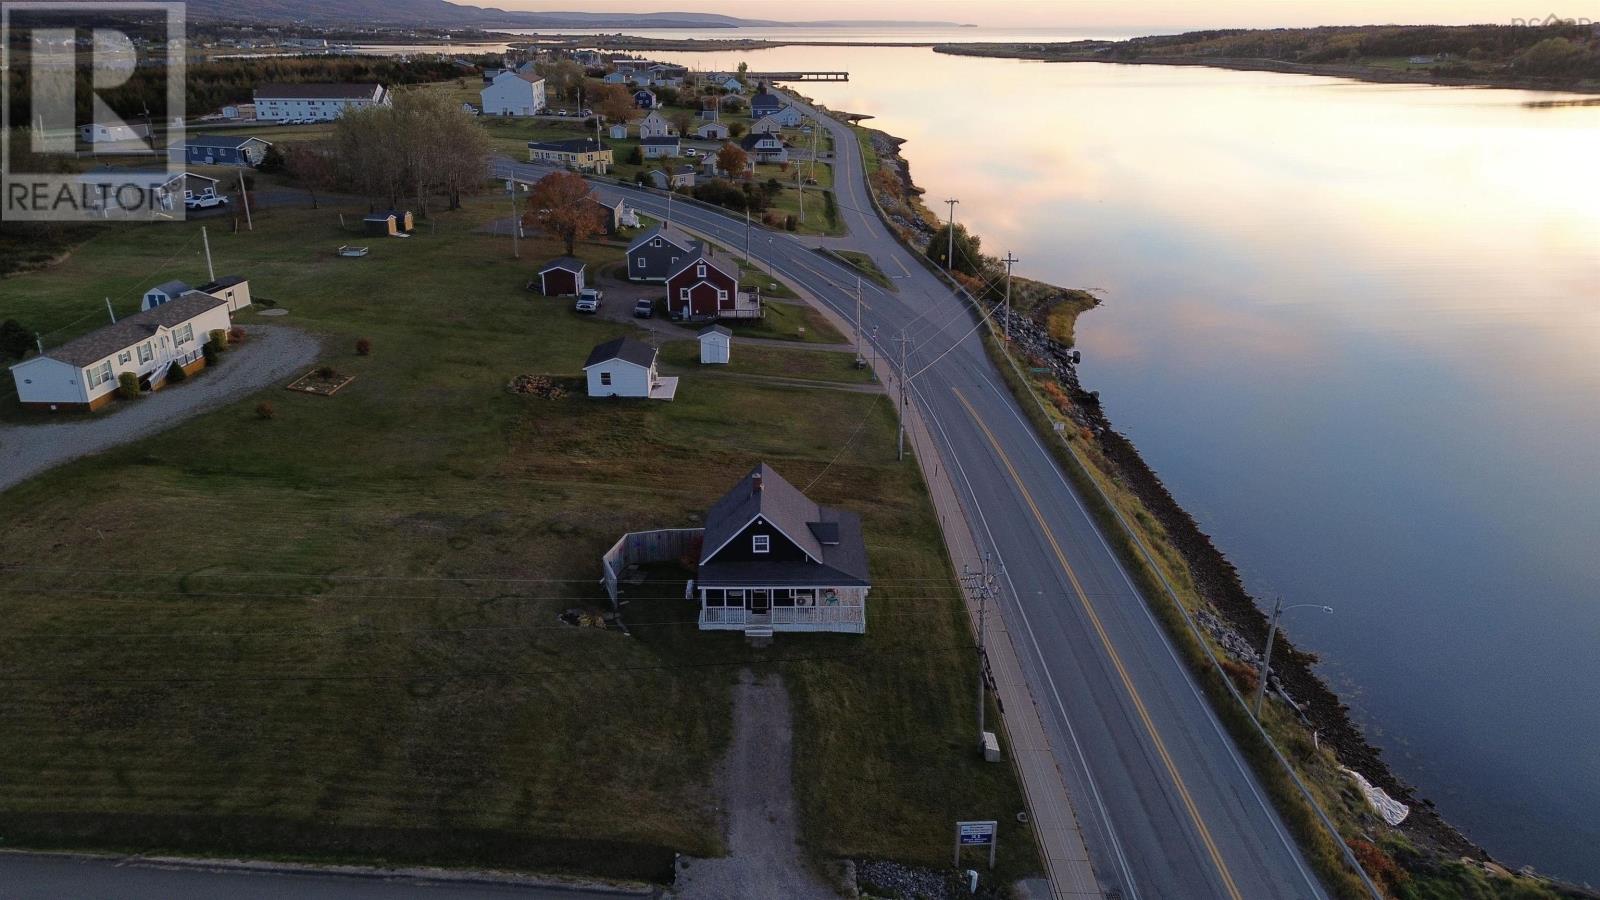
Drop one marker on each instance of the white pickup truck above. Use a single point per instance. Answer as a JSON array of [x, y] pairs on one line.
[[204, 201], [589, 300]]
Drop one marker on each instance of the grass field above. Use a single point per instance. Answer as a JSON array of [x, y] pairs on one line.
[[751, 359], [333, 633], [868, 267]]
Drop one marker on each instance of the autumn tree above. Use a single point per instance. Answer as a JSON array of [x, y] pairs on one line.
[[613, 102], [559, 205], [311, 166], [683, 120], [732, 160], [563, 77], [422, 146]]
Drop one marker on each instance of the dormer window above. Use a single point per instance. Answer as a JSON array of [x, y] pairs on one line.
[[760, 543]]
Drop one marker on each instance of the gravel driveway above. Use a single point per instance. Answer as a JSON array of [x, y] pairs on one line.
[[271, 353], [764, 859]]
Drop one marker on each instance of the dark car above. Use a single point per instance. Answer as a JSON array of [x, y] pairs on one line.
[[644, 309]]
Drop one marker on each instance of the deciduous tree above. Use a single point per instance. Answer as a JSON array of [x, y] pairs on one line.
[[559, 206], [732, 160]]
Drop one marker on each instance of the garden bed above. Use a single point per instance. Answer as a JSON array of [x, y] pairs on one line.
[[323, 381]]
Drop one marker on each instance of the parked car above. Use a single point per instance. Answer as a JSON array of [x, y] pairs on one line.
[[690, 151], [205, 201], [589, 300], [644, 309]]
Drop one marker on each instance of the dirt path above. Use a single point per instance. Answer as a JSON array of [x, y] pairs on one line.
[[271, 353], [764, 858]]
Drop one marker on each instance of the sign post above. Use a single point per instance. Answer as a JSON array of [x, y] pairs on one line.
[[976, 834]]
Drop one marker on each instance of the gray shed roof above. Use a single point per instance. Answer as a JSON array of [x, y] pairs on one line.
[[830, 536], [716, 329], [569, 263], [626, 349], [97, 345], [225, 281], [171, 288]]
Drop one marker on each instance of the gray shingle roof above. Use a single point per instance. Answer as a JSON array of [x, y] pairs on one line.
[[171, 288], [315, 91], [573, 145], [716, 329], [843, 561], [683, 243], [97, 345], [625, 349], [569, 263], [225, 281], [221, 140]]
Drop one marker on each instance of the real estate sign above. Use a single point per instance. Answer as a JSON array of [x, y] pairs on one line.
[[977, 834]]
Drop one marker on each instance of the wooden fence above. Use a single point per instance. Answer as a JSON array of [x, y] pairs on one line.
[[636, 547]]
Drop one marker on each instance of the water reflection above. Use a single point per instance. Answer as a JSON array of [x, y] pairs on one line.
[[1356, 328]]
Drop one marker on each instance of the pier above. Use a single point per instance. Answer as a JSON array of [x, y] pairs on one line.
[[798, 76]]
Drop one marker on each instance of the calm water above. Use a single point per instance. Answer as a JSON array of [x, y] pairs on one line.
[[1356, 328]]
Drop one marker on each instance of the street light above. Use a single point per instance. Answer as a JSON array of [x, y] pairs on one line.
[[1278, 609]]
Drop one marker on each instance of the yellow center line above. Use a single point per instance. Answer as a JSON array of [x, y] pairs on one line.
[[1116, 659]]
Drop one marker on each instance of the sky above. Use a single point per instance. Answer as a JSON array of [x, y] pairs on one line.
[[1104, 13]]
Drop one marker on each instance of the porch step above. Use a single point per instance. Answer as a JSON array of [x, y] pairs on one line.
[[758, 635]]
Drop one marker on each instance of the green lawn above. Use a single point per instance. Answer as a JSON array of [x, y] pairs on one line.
[[784, 321], [334, 633], [868, 267], [751, 359]]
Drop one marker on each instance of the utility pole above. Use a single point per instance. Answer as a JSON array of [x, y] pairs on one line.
[[669, 201], [1278, 609], [900, 448], [982, 585], [109, 311], [1009, 260], [801, 187], [516, 222], [210, 270], [950, 254], [245, 196], [747, 235], [858, 320]]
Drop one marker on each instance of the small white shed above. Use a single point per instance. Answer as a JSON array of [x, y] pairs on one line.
[[619, 131], [715, 343]]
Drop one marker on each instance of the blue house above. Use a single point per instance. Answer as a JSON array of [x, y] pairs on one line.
[[644, 99], [765, 103], [224, 150]]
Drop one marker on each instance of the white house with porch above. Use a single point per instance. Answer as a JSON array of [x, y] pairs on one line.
[[772, 560]]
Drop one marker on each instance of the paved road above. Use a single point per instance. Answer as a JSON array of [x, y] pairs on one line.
[[46, 877], [1167, 804]]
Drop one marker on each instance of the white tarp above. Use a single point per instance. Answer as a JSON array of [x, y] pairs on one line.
[[1393, 811]]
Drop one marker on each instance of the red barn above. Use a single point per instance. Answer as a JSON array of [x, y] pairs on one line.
[[701, 289]]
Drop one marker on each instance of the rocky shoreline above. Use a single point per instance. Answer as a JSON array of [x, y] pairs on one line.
[[1238, 622]]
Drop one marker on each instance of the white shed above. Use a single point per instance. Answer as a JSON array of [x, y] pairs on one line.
[[626, 368], [619, 131], [714, 345]]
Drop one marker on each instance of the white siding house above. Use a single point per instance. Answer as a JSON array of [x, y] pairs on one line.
[[656, 125], [513, 94], [277, 102], [83, 372], [626, 368]]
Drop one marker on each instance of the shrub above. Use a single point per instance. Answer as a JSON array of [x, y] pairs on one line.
[[209, 353], [363, 347], [264, 410], [15, 340], [327, 373], [789, 222], [128, 385], [175, 373], [235, 335], [636, 156], [220, 338]]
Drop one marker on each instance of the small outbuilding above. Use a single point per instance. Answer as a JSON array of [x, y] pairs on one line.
[[562, 276], [619, 131], [380, 224], [715, 343], [626, 368]]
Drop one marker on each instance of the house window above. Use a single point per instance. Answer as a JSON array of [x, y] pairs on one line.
[[124, 357], [183, 335], [683, 293], [722, 294], [655, 243], [735, 599], [714, 597], [605, 379], [700, 271], [100, 374], [783, 598], [146, 352], [760, 543]]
